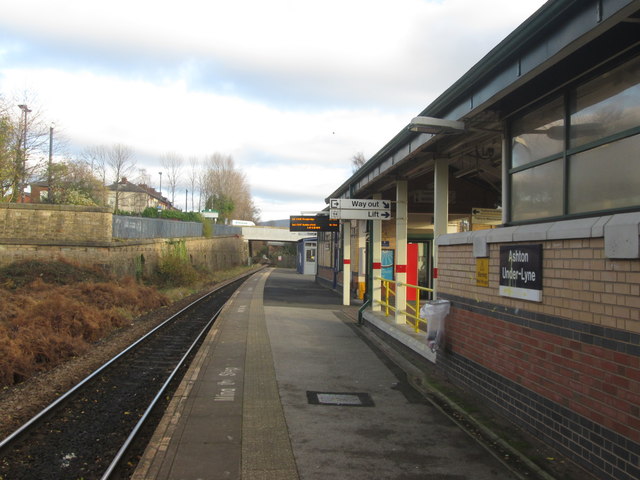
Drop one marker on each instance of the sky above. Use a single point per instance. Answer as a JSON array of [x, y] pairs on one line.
[[290, 89]]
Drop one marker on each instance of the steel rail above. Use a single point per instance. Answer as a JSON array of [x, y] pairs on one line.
[[57, 402], [134, 431]]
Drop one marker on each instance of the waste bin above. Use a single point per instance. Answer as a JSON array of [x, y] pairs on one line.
[[435, 311]]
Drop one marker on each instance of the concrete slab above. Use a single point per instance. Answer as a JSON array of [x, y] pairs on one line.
[[400, 437], [242, 411]]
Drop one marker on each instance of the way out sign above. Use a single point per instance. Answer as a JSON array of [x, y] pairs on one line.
[[359, 204], [521, 272], [359, 209]]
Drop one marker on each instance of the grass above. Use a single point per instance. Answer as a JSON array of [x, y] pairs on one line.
[[53, 311]]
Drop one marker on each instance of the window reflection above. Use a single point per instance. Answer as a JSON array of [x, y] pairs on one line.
[[537, 192], [538, 134], [607, 105], [606, 177], [602, 153]]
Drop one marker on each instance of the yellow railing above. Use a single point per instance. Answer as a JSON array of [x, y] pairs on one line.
[[413, 307]]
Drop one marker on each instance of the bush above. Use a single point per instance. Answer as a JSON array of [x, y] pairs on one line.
[[52, 311], [174, 267], [60, 272], [151, 212]]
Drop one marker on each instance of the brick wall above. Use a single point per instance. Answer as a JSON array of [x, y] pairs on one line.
[[25, 223], [567, 368], [579, 283]]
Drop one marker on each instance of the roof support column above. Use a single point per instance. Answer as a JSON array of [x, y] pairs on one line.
[[361, 247], [440, 211], [401, 250], [506, 191], [346, 262], [376, 261]]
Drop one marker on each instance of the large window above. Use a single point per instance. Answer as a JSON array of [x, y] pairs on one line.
[[538, 134], [537, 192], [579, 153], [605, 177]]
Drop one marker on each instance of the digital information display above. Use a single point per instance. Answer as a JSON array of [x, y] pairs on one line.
[[313, 223]]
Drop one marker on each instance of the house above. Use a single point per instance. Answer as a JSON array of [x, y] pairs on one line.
[[135, 198]]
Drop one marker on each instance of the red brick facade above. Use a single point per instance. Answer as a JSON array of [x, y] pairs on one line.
[[566, 368]]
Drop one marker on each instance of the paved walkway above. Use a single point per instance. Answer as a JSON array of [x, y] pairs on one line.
[[287, 387]]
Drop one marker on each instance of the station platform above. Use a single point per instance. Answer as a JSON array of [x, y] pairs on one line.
[[287, 386]]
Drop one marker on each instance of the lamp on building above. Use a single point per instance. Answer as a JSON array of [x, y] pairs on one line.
[[436, 126]]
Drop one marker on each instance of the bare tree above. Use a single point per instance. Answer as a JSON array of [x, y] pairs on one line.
[[97, 160], [172, 163], [26, 141], [202, 186], [121, 162], [193, 179], [226, 189], [357, 161], [143, 177]]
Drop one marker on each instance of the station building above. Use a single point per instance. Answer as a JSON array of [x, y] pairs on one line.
[[515, 196]]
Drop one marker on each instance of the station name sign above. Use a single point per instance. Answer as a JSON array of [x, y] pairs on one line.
[[521, 271], [313, 223]]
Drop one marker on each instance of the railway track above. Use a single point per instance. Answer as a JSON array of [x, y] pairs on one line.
[[98, 428]]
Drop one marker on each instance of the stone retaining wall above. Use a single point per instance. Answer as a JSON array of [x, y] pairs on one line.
[[54, 223], [84, 235], [132, 257]]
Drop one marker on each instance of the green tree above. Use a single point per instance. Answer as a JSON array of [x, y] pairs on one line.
[[7, 155], [223, 205], [73, 183]]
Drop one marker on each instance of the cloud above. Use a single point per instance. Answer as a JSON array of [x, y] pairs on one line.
[[292, 89]]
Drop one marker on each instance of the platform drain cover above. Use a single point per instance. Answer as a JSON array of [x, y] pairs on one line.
[[343, 399]]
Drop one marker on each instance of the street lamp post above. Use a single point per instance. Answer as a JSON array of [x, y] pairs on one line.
[[160, 199], [49, 172], [22, 180]]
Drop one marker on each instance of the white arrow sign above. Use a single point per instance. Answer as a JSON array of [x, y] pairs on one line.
[[351, 214], [359, 204]]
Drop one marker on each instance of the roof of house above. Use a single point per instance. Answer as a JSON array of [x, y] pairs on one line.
[[125, 185]]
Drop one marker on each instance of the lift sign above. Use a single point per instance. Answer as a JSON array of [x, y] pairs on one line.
[[521, 272]]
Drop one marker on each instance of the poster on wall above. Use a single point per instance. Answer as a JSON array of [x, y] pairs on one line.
[[521, 272]]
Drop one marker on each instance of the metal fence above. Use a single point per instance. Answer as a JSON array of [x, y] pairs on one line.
[[219, 229], [140, 227]]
